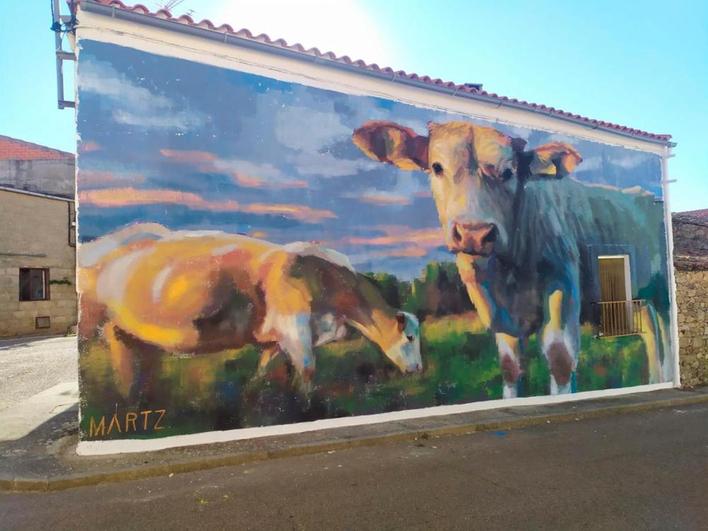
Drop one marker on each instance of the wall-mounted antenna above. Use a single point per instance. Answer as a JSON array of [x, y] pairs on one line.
[[170, 5], [61, 24]]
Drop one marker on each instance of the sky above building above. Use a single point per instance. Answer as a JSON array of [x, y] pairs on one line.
[[642, 66]]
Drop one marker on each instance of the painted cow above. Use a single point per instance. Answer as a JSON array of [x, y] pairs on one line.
[[523, 231], [199, 292]]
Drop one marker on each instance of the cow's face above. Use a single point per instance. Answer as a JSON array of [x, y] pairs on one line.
[[405, 351], [475, 173]]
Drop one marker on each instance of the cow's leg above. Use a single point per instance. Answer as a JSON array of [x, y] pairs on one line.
[[267, 355], [509, 348], [296, 341], [473, 279], [121, 358], [561, 339], [293, 334], [653, 342]]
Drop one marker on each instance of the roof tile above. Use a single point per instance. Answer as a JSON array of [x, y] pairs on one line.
[[15, 149]]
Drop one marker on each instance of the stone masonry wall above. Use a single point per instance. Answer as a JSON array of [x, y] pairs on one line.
[[35, 233], [691, 267], [692, 297]]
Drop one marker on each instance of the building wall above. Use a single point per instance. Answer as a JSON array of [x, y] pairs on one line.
[[53, 177], [35, 234], [692, 297], [200, 300], [691, 265]]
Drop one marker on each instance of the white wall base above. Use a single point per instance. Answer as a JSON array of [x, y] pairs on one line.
[[142, 445]]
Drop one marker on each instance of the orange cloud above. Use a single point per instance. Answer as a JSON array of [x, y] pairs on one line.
[[120, 197], [192, 157], [384, 199], [89, 146], [300, 212], [398, 235], [405, 252], [208, 162], [250, 181]]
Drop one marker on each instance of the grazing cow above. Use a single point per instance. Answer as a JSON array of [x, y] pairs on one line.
[[523, 233], [205, 291]]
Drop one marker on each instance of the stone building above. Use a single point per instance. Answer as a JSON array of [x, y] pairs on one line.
[[691, 263], [37, 240]]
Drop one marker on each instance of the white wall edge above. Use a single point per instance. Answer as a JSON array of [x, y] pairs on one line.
[[87, 448], [668, 224]]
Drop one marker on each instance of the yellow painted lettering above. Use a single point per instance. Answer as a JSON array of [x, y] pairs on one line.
[[145, 418], [157, 424], [114, 422], [94, 430], [130, 419]]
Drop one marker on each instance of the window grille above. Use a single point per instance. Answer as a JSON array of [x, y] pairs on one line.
[[617, 314]]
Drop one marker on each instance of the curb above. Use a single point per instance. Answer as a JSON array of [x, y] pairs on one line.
[[62, 482]]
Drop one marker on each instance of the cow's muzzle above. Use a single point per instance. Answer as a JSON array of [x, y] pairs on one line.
[[473, 238]]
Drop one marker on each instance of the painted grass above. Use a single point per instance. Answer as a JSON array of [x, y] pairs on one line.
[[219, 391]]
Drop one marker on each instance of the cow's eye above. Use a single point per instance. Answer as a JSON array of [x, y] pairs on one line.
[[507, 174], [437, 168]]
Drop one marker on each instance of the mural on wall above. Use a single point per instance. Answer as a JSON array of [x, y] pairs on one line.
[[257, 252]]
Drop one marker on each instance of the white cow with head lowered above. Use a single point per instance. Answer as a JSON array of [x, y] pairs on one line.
[[523, 231]]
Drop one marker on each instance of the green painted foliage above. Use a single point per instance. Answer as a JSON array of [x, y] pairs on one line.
[[222, 391]]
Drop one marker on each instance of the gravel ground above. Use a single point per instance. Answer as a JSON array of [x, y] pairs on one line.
[[31, 365]]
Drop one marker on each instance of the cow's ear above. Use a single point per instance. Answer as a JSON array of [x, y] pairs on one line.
[[393, 143], [554, 160]]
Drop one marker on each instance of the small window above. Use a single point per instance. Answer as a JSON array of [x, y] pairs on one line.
[[619, 315], [34, 284]]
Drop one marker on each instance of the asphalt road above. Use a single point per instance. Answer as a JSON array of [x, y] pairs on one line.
[[31, 365], [638, 471]]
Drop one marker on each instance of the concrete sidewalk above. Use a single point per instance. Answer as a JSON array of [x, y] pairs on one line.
[[30, 365], [45, 459], [38, 378]]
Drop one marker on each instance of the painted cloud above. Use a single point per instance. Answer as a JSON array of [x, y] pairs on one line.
[[133, 104], [253, 155]]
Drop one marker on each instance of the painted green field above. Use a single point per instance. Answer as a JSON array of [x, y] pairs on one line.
[[220, 391]]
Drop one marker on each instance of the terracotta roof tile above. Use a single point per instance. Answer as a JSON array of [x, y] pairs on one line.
[[329, 56], [15, 149]]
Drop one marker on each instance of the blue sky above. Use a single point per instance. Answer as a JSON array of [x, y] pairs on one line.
[[218, 149], [640, 65]]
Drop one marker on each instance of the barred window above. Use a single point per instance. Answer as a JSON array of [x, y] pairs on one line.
[[619, 315]]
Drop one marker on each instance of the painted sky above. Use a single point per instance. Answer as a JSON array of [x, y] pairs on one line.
[[212, 148]]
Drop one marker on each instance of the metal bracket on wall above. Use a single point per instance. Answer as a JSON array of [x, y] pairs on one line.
[[61, 24]]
